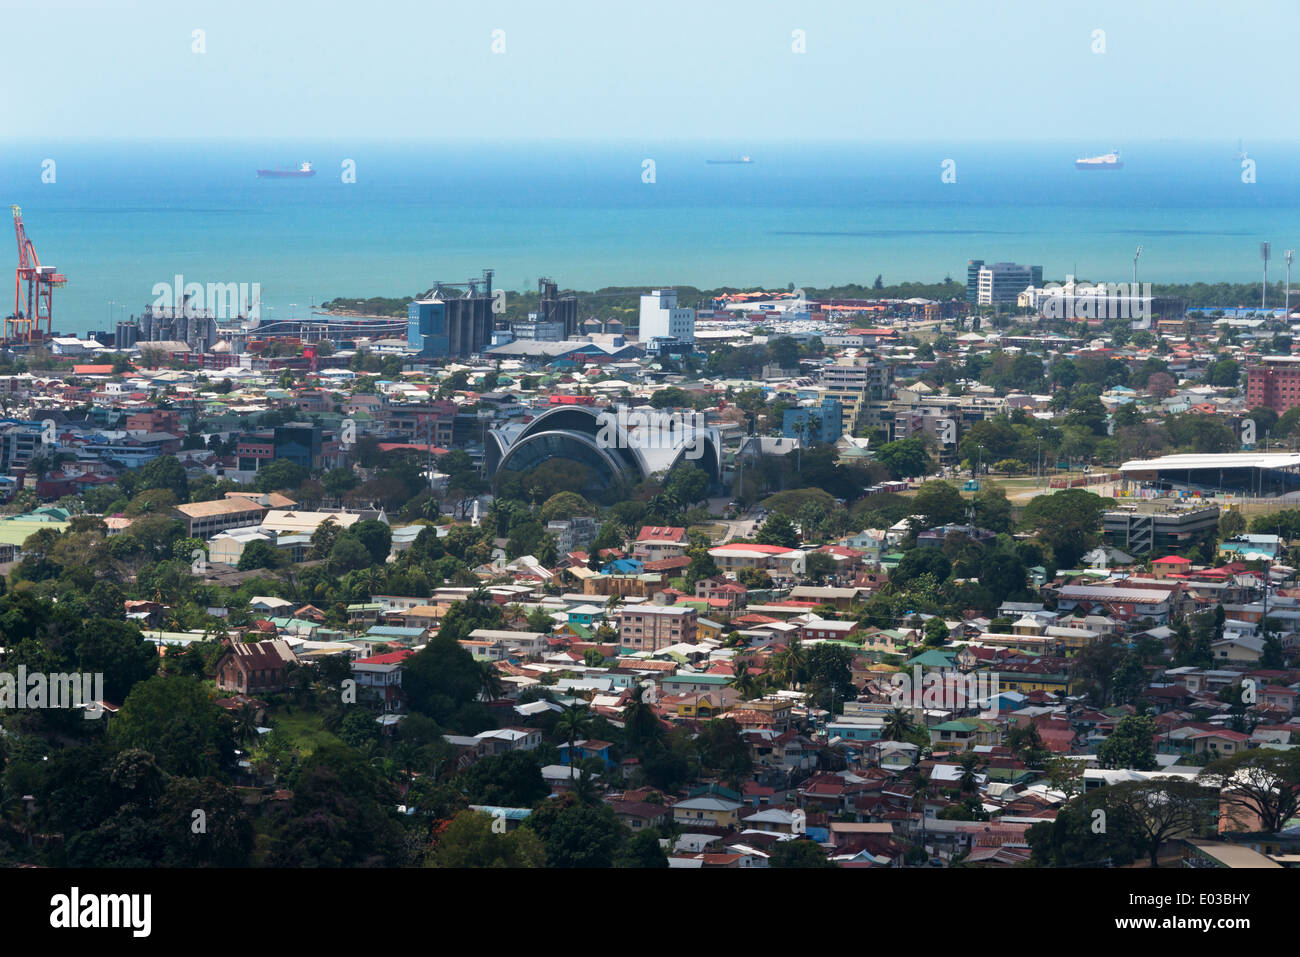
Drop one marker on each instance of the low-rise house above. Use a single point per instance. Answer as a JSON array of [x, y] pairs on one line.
[[707, 809], [379, 677], [639, 815]]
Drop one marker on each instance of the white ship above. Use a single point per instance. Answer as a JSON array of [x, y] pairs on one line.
[[1108, 161]]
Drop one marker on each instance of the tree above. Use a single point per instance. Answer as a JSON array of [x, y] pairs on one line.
[[583, 836], [906, 458], [921, 561], [1003, 574], [471, 839], [565, 505], [164, 472], [573, 725], [936, 631], [348, 554], [443, 677], [342, 815], [777, 530], [1162, 808], [898, 726], [175, 720], [1087, 833], [819, 566], [1231, 524], [376, 536], [939, 503], [1130, 745], [1026, 744], [800, 852], [1160, 384], [259, 554], [687, 484], [513, 779], [1065, 520], [281, 474], [643, 850], [992, 509], [1260, 787], [830, 678], [119, 652]]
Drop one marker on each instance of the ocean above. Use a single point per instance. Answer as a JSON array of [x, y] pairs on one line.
[[123, 216]]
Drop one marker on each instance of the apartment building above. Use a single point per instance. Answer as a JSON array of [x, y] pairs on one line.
[[1274, 383], [770, 558], [652, 627]]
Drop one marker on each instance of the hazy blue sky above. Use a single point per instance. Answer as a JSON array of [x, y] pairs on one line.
[[664, 69]]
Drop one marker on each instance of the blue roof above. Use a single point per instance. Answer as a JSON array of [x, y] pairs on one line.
[[395, 631], [623, 565]]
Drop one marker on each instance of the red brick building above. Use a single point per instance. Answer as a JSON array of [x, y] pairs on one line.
[[1274, 383]]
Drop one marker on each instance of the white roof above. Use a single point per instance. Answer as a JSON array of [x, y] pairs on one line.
[[1228, 460]]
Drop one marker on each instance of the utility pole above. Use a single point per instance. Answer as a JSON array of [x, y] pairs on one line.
[[1288, 256], [1263, 290]]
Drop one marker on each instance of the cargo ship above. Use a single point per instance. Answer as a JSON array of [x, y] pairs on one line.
[[303, 170], [1108, 161], [731, 162]]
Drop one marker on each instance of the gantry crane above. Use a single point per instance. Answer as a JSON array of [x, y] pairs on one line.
[[24, 325]]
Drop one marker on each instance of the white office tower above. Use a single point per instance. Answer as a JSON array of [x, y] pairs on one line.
[[662, 319]]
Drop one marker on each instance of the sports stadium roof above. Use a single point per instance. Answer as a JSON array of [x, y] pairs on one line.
[[1228, 460]]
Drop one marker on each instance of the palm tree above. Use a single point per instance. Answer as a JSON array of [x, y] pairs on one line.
[[743, 681], [897, 726], [969, 772], [612, 604], [787, 666], [490, 684], [584, 788], [495, 513], [640, 723], [373, 579], [573, 724], [246, 724], [919, 795]]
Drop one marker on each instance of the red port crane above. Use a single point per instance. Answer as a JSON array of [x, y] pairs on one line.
[[24, 325]]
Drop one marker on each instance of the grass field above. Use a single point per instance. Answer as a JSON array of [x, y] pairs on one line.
[[715, 530], [302, 730]]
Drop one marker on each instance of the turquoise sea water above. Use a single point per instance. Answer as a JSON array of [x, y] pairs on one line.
[[122, 216]]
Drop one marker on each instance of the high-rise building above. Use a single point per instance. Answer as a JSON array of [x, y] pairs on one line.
[[1004, 282], [448, 324], [662, 318], [973, 280]]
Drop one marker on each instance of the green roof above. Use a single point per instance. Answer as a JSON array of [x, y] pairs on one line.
[[956, 726], [934, 658], [702, 679]]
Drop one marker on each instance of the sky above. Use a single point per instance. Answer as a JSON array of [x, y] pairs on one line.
[[901, 70]]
